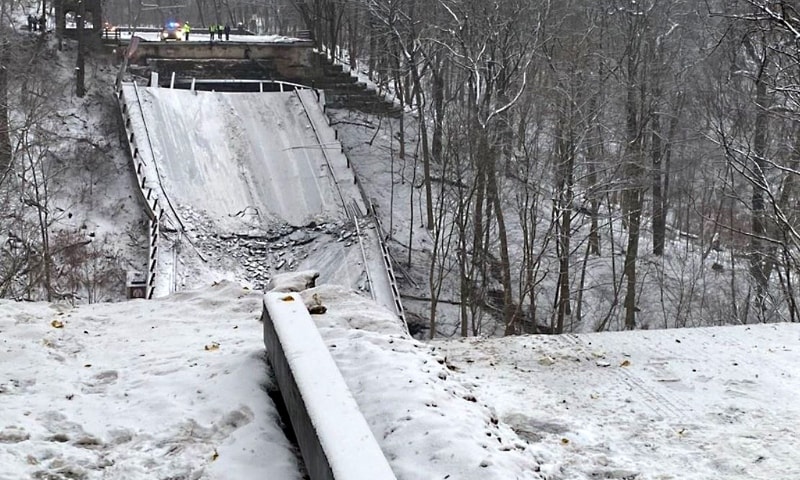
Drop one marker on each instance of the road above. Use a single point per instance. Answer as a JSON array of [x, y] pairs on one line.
[[245, 163], [236, 156]]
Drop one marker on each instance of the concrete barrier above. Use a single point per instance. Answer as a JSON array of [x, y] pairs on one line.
[[334, 438]]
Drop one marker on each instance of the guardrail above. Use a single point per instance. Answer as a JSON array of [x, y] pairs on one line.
[[387, 262], [386, 256], [334, 438], [283, 86], [149, 196]]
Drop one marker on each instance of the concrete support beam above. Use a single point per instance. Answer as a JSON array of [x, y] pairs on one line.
[[334, 438]]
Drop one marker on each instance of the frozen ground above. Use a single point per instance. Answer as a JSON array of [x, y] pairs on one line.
[[705, 403], [171, 388], [175, 388]]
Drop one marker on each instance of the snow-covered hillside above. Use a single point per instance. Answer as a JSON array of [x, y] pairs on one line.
[[176, 387]]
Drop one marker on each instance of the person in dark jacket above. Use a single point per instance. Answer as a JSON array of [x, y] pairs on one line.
[[227, 32]]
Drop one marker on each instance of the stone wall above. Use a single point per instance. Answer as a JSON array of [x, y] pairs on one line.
[[279, 61], [93, 9]]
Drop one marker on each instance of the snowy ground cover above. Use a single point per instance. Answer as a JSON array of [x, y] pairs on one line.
[[169, 388], [707, 403], [176, 388]]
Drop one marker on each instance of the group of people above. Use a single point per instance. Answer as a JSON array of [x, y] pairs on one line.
[[33, 23], [219, 30]]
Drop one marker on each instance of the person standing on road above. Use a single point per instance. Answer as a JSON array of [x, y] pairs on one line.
[[186, 29], [227, 32], [219, 32], [212, 29]]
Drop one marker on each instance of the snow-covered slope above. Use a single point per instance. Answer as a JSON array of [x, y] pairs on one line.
[[171, 388], [704, 403]]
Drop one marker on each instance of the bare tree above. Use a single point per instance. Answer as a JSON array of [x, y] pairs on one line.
[[5, 64]]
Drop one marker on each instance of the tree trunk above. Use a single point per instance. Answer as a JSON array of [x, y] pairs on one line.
[[595, 153], [463, 266], [5, 57], [505, 261], [80, 67], [659, 225], [5, 139], [566, 161], [478, 247], [631, 253], [632, 195], [426, 152], [438, 109], [758, 270]]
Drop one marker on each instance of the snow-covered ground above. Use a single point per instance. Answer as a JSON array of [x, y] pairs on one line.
[[706, 403], [176, 388], [170, 388]]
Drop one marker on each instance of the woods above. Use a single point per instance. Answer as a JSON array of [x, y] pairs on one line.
[[576, 166], [48, 249], [625, 165]]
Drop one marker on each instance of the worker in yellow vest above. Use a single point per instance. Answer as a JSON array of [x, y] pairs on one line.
[[186, 30]]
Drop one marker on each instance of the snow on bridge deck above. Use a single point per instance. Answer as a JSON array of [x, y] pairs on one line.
[[244, 162], [236, 156]]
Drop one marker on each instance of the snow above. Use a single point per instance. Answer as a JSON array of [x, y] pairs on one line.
[[233, 168], [428, 424], [349, 446], [176, 387], [217, 165], [202, 36], [702, 403], [169, 388]]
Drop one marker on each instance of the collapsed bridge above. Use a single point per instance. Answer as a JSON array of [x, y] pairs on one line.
[[241, 171]]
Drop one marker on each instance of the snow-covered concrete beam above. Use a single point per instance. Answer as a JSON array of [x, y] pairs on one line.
[[334, 438]]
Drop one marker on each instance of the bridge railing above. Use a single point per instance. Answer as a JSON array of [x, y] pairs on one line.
[[147, 192], [283, 86], [385, 254]]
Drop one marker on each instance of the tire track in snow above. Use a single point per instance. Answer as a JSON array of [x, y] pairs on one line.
[[667, 406]]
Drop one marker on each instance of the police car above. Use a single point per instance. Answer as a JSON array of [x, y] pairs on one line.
[[172, 31]]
